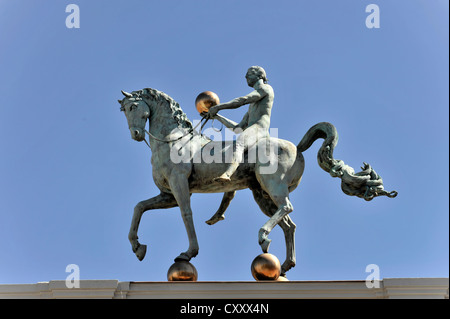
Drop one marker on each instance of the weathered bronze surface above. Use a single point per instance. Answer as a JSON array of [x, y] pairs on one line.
[[266, 267], [184, 162]]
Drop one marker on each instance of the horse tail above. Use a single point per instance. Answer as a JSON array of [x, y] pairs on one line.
[[366, 184], [328, 132]]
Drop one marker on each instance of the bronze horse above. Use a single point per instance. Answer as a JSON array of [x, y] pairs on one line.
[[170, 132]]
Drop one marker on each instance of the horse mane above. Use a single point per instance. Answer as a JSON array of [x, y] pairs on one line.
[[165, 100]]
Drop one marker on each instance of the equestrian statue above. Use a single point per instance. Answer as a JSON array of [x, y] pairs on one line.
[[185, 162]]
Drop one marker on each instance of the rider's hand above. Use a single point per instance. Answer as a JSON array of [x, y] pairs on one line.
[[213, 112]]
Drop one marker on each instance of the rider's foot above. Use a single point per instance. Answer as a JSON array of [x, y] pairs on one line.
[[224, 178]]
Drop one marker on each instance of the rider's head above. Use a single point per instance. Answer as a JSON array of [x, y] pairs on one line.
[[254, 74]]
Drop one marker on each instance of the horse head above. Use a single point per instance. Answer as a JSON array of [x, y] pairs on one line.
[[137, 112]]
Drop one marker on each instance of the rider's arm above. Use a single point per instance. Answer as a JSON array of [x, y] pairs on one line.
[[252, 97], [233, 125], [226, 122]]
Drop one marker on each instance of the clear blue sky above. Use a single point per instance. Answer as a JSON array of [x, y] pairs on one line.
[[70, 174]]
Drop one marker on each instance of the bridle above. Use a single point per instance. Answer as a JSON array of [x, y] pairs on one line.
[[205, 118], [178, 138]]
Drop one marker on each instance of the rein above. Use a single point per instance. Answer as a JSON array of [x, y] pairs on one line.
[[178, 138], [204, 117]]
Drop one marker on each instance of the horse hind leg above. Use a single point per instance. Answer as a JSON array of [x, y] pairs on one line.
[[219, 215], [284, 207], [269, 208], [288, 227]]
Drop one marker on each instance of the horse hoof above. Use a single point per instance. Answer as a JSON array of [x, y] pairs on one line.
[[286, 266], [214, 220], [265, 245], [263, 241], [182, 257], [141, 251]]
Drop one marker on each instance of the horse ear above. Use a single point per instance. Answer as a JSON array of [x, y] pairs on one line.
[[120, 102], [126, 94]]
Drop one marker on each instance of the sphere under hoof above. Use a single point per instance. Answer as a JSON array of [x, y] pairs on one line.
[[266, 267], [182, 271], [205, 101]]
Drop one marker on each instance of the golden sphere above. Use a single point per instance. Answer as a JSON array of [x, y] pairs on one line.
[[205, 100], [266, 267], [182, 271]]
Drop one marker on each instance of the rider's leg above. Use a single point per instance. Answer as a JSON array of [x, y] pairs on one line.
[[246, 140]]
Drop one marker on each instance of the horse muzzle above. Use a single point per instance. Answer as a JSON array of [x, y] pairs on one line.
[[137, 134]]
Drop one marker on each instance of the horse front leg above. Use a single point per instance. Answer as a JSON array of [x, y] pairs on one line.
[[163, 200], [179, 186]]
